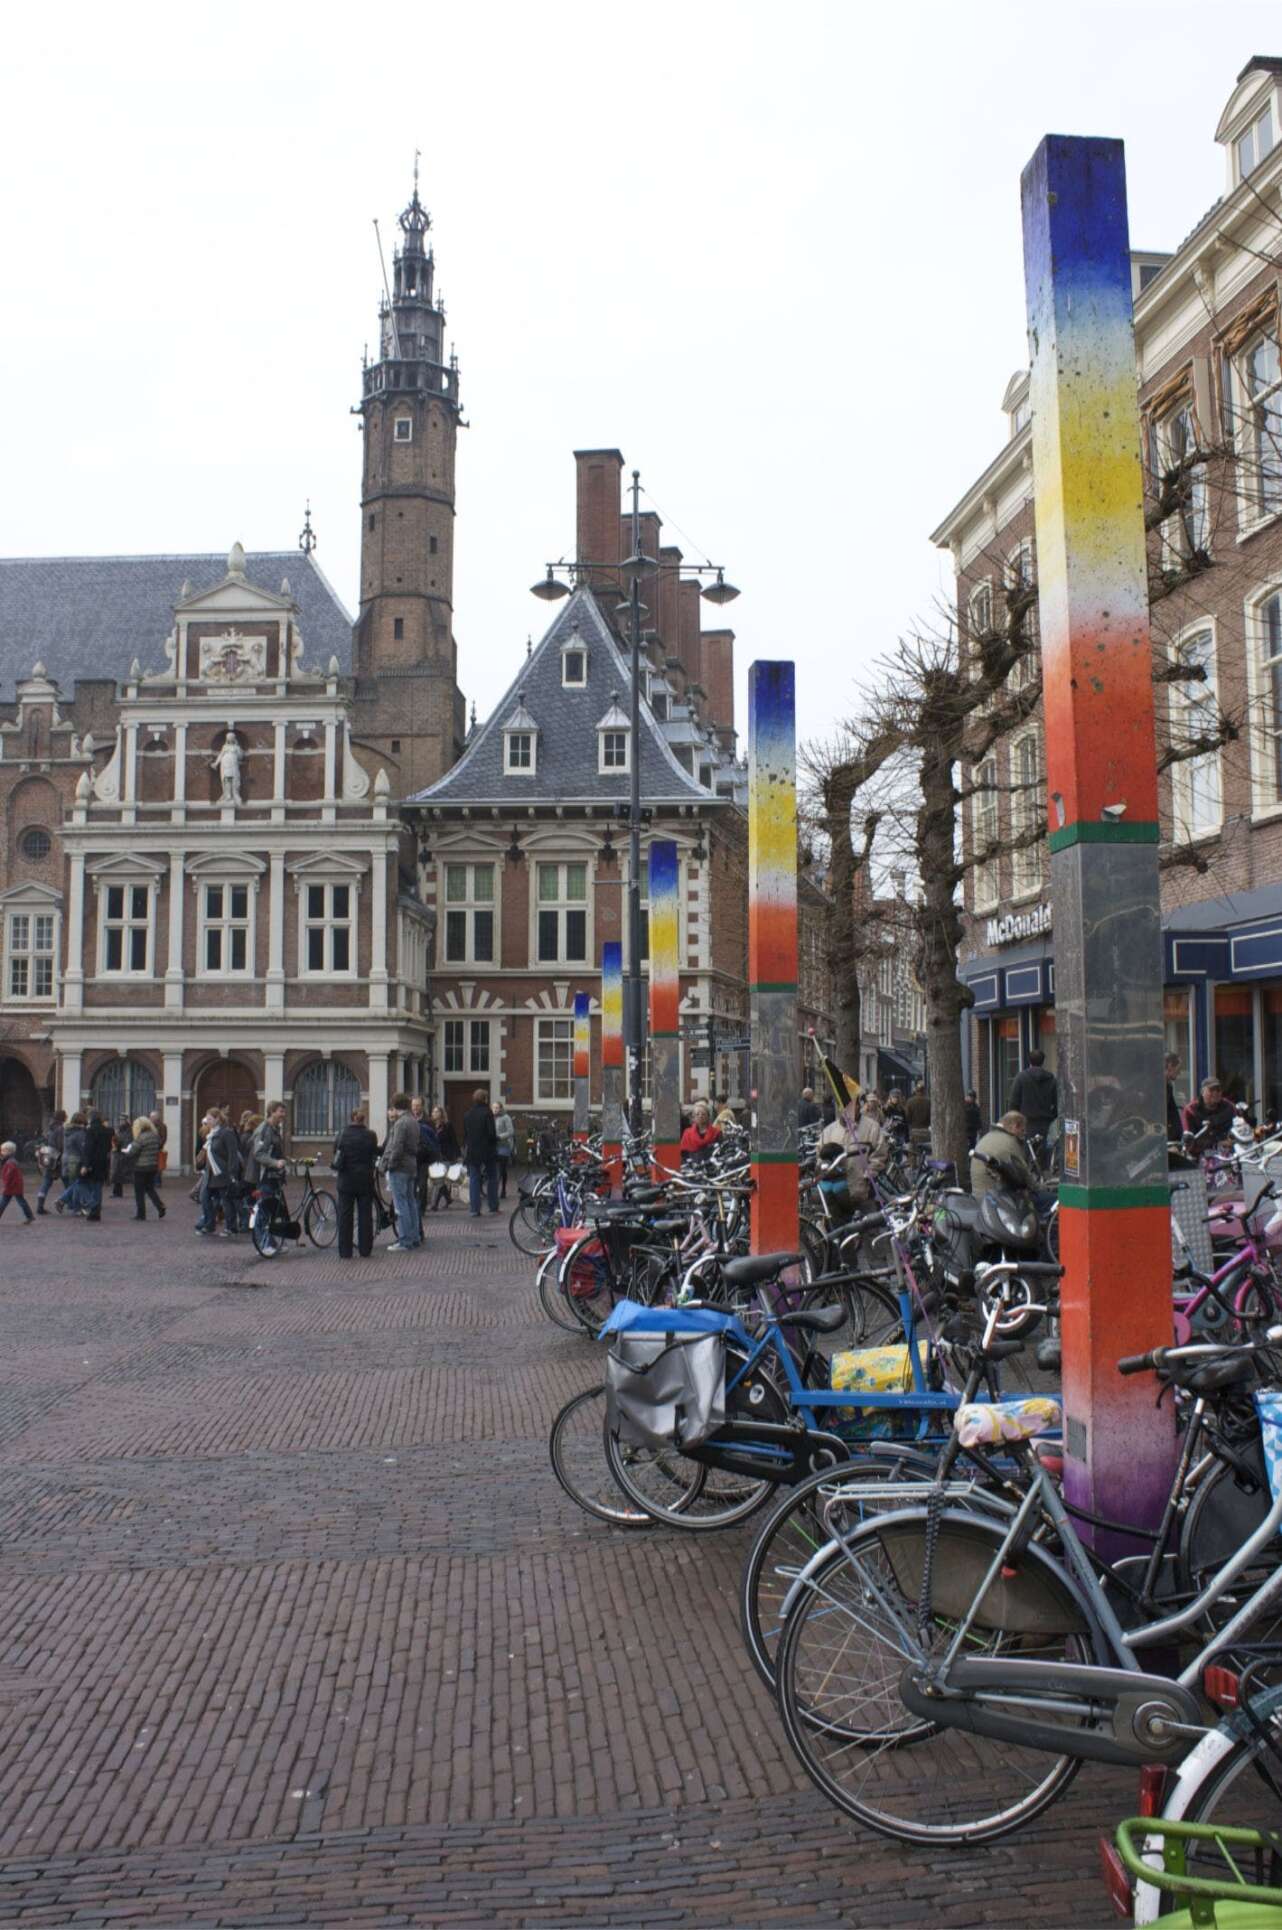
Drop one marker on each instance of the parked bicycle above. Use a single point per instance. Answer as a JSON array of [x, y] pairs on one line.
[[271, 1222]]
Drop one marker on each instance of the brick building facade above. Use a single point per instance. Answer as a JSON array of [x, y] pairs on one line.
[[1210, 394]]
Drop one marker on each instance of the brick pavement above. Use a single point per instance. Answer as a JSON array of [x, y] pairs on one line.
[[297, 1628]]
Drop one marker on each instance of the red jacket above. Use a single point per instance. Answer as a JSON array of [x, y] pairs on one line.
[[11, 1183], [695, 1141]]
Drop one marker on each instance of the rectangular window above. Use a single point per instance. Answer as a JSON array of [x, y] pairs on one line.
[[30, 953], [614, 750], [519, 751], [1187, 533], [329, 943], [403, 429], [562, 914], [469, 914], [1020, 576], [1026, 813], [1262, 373], [1255, 144], [574, 669], [554, 1059], [126, 927], [1195, 714], [225, 920], [1270, 708], [478, 1032], [983, 818], [454, 1045], [398, 629]]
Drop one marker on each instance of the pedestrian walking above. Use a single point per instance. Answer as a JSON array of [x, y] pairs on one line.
[[95, 1166], [973, 1120], [481, 1151], [246, 1127], [222, 1177], [505, 1133], [399, 1160], [1035, 1093], [157, 1119], [447, 1140], [808, 1112], [429, 1152], [917, 1114], [75, 1141], [12, 1184], [355, 1154], [144, 1149], [121, 1137], [49, 1158]]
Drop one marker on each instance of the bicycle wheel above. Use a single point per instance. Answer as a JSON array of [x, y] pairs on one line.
[[1231, 1777], [320, 1221], [577, 1447], [852, 1630], [656, 1478], [532, 1221], [552, 1299], [805, 1519], [592, 1295], [267, 1240]]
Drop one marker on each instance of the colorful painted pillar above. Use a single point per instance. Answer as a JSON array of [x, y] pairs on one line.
[[582, 1063], [772, 952], [612, 1060], [1101, 776], [665, 999]]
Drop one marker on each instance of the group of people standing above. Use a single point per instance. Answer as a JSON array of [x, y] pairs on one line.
[[235, 1161], [416, 1158]]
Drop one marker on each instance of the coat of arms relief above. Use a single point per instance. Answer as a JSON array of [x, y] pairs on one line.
[[233, 658]]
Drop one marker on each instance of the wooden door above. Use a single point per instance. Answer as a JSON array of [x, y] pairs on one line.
[[226, 1083]]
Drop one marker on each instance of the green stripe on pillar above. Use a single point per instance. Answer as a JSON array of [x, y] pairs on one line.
[[1112, 1198], [1103, 831]]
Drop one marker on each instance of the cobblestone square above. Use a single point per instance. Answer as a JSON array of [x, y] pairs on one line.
[[296, 1626]]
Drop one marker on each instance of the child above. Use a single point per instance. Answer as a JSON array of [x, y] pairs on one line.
[[11, 1185]]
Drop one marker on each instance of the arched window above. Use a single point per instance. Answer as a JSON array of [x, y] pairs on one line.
[[325, 1094], [123, 1086]]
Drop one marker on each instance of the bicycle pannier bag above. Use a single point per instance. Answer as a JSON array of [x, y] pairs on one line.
[[662, 1391]]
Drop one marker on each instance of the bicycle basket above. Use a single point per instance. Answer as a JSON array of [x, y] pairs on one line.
[[1268, 1405], [665, 1390]]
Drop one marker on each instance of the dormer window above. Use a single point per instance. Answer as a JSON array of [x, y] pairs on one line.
[[520, 743], [574, 663], [1253, 145], [614, 737]]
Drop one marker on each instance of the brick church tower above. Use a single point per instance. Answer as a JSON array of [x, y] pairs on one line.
[[408, 699]]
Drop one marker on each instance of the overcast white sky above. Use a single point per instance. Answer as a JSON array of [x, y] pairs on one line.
[[773, 254]]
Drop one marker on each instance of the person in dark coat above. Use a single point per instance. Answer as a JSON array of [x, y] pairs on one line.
[[481, 1151], [121, 1138], [973, 1118], [75, 1140], [222, 1177], [447, 1141], [1035, 1093], [354, 1155], [1209, 1118], [49, 1158], [144, 1148], [808, 1113], [96, 1165]]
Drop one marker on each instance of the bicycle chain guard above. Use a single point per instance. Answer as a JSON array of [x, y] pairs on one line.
[[770, 1450], [1136, 1719]]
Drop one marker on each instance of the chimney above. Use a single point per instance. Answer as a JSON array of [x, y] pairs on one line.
[[649, 534], [598, 536], [716, 674], [667, 616], [689, 620]]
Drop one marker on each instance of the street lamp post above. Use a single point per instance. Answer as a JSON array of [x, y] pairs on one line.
[[718, 591]]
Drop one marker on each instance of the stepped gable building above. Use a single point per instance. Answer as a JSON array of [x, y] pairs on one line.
[[1209, 382], [525, 839], [207, 893]]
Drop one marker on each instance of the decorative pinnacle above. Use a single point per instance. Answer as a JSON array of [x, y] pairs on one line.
[[307, 540]]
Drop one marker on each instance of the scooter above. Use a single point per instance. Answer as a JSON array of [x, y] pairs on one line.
[[1000, 1236]]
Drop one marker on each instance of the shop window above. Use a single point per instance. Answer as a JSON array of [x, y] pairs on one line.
[[1006, 1061], [1271, 1028], [1235, 1042], [1177, 1003]]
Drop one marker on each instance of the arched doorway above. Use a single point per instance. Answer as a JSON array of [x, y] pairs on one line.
[[21, 1110], [225, 1083]]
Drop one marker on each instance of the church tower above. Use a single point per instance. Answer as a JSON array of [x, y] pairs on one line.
[[409, 412]]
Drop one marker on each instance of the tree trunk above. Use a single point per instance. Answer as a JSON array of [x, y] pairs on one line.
[[941, 933], [843, 947]]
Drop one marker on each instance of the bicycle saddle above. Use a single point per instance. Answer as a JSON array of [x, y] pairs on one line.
[[644, 1195], [815, 1320], [669, 1226], [757, 1267]]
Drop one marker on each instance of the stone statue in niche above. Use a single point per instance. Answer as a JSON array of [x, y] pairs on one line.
[[227, 764]]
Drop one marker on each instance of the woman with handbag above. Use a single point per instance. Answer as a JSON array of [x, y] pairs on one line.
[[355, 1152]]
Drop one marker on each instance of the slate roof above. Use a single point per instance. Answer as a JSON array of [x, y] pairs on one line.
[[90, 616], [566, 760]]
